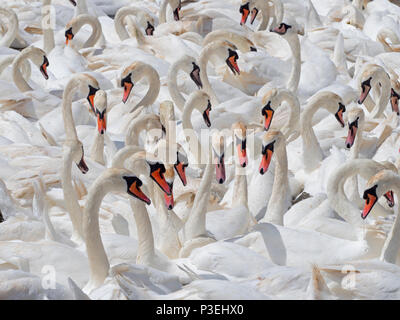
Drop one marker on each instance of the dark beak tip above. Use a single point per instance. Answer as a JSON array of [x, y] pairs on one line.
[[359, 102]]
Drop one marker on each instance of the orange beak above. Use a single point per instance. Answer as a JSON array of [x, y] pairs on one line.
[[91, 102], [135, 191], [169, 201], [242, 154], [269, 114], [369, 203], [245, 15], [101, 124], [68, 38], [370, 199], [265, 161], [159, 178], [390, 198], [234, 65], [339, 114], [127, 91], [351, 136], [180, 169]]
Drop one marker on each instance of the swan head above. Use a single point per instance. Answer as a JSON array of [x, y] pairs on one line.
[[201, 101], [270, 102], [334, 103], [38, 57], [100, 103], [149, 28], [181, 163], [270, 141], [394, 100], [244, 10], [355, 121], [89, 86], [239, 131], [369, 78], [376, 187], [129, 183], [282, 29], [75, 24], [218, 149], [166, 153], [129, 77], [75, 148], [195, 75], [176, 8], [231, 61], [157, 172], [339, 114]]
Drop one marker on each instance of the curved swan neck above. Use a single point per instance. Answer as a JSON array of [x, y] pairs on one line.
[[47, 26], [391, 246], [335, 188], [194, 143], [147, 71], [384, 96], [205, 54], [293, 40], [195, 225], [294, 104], [97, 149], [312, 153], [71, 200], [69, 124], [240, 195], [123, 154], [241, 42], [145, 251], [122, 13], [96, 34], [162, 15], [12, 29], [25, 54], [138, 125], [277, 202], [98, 261], [176, 96]]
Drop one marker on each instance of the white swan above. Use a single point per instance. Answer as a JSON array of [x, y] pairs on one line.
[[312, 153], [189, 65], [176, 7], [120, 19], [373, 76], [73, 27], [377, 186], [73, 148]]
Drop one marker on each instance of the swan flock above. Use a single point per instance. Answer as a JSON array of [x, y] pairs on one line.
[[175, 149]]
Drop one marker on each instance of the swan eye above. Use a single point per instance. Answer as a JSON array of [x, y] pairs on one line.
[[253, 49]]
